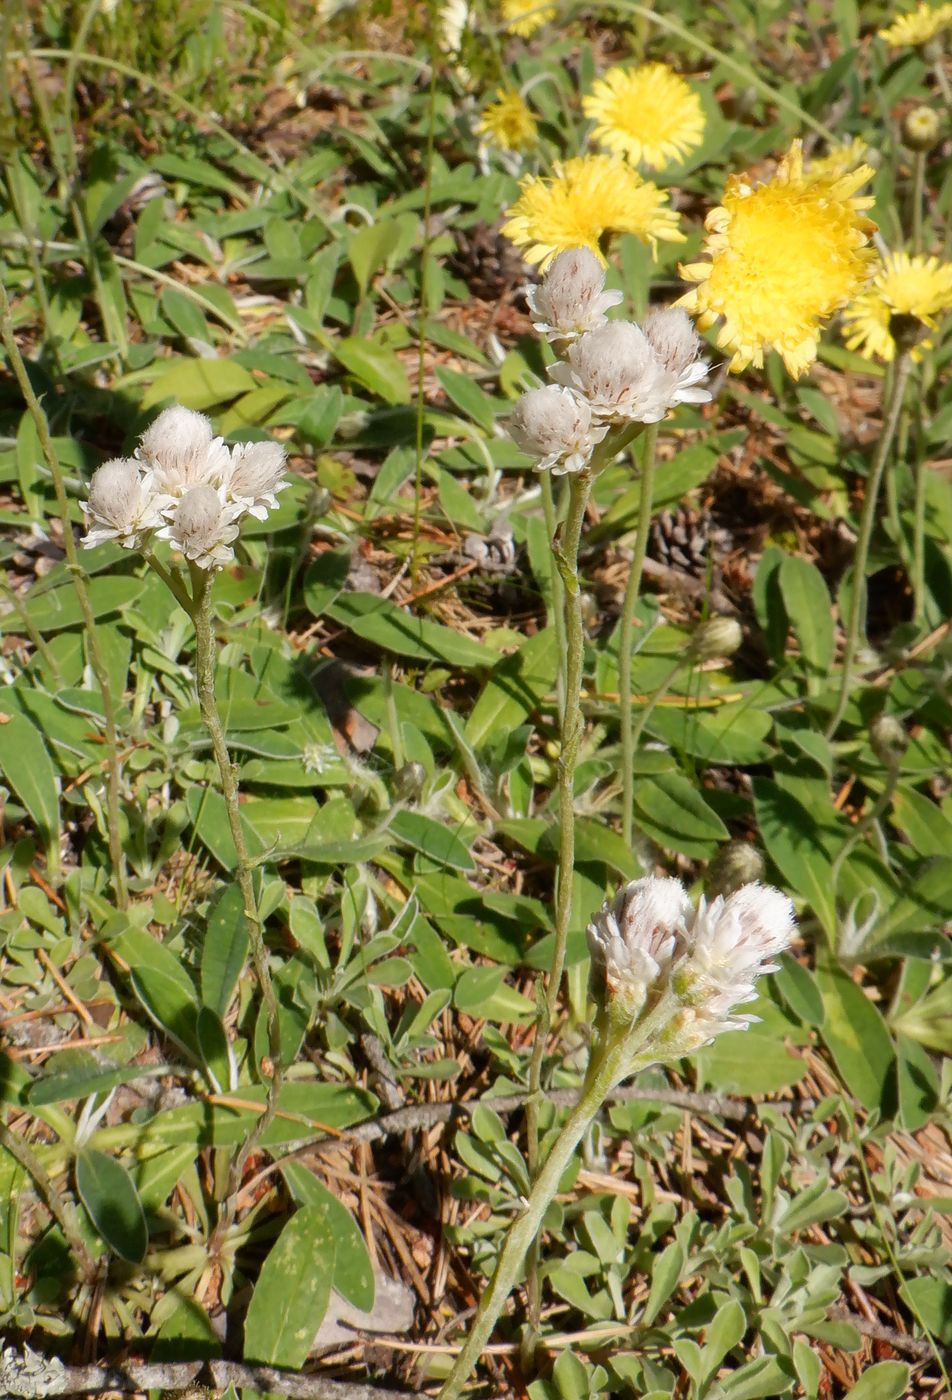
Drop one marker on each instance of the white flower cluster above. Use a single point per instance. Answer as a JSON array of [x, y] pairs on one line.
[[614, 373], [650, 940], [184, 485]]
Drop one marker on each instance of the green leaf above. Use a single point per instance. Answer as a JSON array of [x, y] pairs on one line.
[[664, 1279], [28, 768], [767, 1375], [52, 609], [807, 603], [211, 1039], [887, 1380], [160, 982], [353, 1275], [326, 578], [514, 690], [930, 1302], [112, 1202], [224, 950], [790, 836], [209, 817], [375, 366], [83, 1077], [466, 394], [379, 621], [856, 1035], [292, 1291], [677, 814], [432, 839], [199, 384]]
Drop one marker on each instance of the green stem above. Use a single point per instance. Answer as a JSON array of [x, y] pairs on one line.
[[618, 1052], [625, 631], [865, 824], [78, 576], [867, 519], [920, 477], [171, 580], [603, 1075], [648, 709], [424, 293], [918, 189], [206, 657], [566, 555], [57, 1202], [557, 616]]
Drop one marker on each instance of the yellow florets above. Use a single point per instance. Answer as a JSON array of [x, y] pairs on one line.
[[524, 17], [916, 288], [509, 122], [584, 199], [918, 27], [784, 257], [839, 160], [648, 114]]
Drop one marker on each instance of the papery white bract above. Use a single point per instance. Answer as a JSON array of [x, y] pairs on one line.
[[670, 333], [254, 476], [634, 938], [181, 451], [556, 425], [123, 504], [572, 299], [618, 374], [650, 939], [202, 526]]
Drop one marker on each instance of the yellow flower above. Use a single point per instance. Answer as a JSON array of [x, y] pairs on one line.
[[509, 123], [839, 160], [918, 27], [524, 17], [584, 199], [915, 287], [783, 257], [648, 114]]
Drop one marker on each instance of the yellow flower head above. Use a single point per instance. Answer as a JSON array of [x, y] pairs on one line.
[[783, 257], [918, 288], [918, 27], [648, 114], [509, 123], [524, 17], [585, 198], [839, 160]]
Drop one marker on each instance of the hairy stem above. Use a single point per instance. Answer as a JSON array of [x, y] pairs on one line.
[[558, 602], [566, 556], [918, 190], [625, 626], [58, 1203], [206, 656], [867, 519], [78, 576], [920, 473]]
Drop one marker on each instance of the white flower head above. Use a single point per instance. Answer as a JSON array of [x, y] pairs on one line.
[[650, 940], [181, 451], [202, 526], [123, 504], [733, 941], [635, 938], [255, 475], [671, 335], [615, 369], [556, 425], [572, 299]]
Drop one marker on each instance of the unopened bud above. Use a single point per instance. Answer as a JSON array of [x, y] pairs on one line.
[[617, 371], [737, 863], [409, 781], [920, 129], [671, 335], [888, 740], [572, 299], [718, 636], [907, 330], [556, 426]]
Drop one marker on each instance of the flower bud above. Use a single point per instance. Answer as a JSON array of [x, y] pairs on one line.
[[255, 477], [181, 451], [888, 740], [633, 940], [717, 636], [670, 333], [920, 129], [556, 426], [737, 863], [572, 299], [122, 504], [202, 527], [615, 369], [408, 781]]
